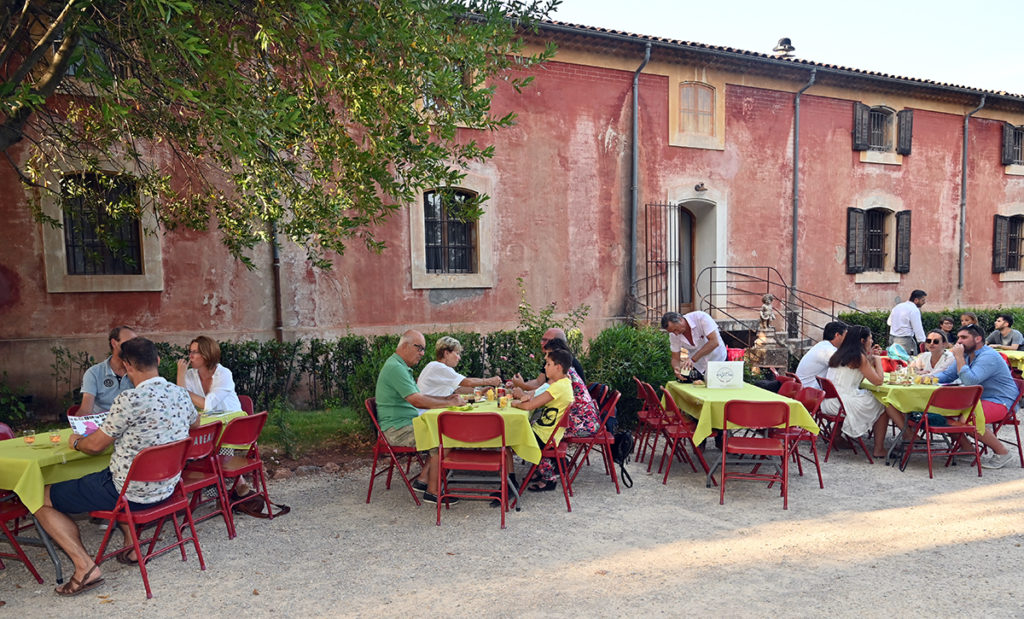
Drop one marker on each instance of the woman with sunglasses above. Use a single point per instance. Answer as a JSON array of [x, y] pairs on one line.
[[936, 357]]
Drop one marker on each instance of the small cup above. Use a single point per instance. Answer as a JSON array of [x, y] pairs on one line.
[[30, 437], [503, 401], [55, 437]]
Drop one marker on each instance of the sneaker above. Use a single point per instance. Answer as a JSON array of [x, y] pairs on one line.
[[419, 486], [998, 461], [432, 498]]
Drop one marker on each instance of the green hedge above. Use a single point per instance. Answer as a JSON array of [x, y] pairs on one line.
[[876, 321]]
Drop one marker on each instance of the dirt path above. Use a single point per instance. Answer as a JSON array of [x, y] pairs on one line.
[[874, 542]]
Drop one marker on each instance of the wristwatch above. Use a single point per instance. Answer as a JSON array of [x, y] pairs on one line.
[[75, 444]]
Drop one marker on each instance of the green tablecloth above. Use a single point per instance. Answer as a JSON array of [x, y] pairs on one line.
[[913, 398], [518, 433], [26, 469], [707, 406], [1016, 358]]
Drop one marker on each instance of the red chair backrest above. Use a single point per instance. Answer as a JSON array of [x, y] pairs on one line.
[[75, 410], [1020, 393], [811, 398], [793, 376], [5, 431], [371, 408], [653, 403], [470, 427], [159, 463], [789, 388], [756, 414], [204, 440], [828, 388], [598, 391], [246, 403], [955, 398], [735, 354], [243, 430], [608, 407], [672, 409]]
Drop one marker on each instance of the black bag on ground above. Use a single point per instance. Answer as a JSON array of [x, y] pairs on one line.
[[255, 506], [621, 451]]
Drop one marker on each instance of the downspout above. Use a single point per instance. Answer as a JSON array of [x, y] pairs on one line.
[[635, 178], [796, 200], [963, 196], [275, 255]]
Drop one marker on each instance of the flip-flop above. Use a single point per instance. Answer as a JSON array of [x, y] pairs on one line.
[[545, 487], [75, 586], [122, 557]]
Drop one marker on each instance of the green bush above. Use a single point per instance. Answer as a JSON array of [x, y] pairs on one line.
[[363, 381], [169, 355], [876, 321], [618, 354], [512, 352], [328, 365], [262, 370], [13, 408]]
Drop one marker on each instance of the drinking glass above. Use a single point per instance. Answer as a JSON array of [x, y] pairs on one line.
[[55, 437], [30, 437]]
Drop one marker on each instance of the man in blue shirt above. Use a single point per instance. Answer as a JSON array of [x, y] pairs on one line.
[[107, 379], [977, 364]]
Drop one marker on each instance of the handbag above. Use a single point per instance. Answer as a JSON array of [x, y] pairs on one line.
[[255, 506]]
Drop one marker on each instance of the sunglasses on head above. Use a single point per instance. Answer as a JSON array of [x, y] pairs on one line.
[[931, 341]]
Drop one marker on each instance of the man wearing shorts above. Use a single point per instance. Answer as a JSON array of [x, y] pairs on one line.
[[399, 402], [978, 364], [155, 412]]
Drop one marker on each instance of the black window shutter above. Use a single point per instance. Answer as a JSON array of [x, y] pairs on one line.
[[1000, 243], [902, 242], [905, 121], [1008, 131], [855, 241], [861, 126]]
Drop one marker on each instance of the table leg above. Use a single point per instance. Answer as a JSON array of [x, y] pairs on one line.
[[44, 541]]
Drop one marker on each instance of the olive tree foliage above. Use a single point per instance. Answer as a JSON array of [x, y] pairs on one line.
[[315, 119]]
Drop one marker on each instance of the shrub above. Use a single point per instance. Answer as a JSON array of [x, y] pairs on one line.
[[618, 354], [328, 366], [262, 370], [12, 402], [169, 355], [509, 353], [363, 381]]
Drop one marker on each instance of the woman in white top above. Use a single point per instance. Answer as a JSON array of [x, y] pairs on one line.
[[208, 382], [440, 379], [935, 358], [854, 361]]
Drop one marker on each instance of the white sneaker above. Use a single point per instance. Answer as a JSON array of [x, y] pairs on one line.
[[997, 461]]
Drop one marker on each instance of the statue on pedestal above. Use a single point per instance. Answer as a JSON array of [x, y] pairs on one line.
[[767, 312]]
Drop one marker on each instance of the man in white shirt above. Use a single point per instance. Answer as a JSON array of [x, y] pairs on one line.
[[697, 334], [815, 361], [904, 321]]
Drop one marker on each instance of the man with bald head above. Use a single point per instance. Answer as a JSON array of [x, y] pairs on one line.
[[399, 402], [554, 333]]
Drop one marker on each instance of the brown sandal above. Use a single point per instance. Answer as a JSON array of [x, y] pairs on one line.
[[122, 557], [75, 586]]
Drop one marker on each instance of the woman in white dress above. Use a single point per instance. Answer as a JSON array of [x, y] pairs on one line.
[[208, 382], [935, 359], [854, 361], [440, 379]]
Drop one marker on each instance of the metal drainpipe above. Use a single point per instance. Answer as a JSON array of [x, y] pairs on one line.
[[276, 269], [634, 187], [963, 196], [796, 195]]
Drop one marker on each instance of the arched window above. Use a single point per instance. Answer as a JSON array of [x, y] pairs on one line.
[[697, 108], [450, 244]]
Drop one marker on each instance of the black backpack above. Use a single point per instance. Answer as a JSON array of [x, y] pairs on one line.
[[621, 451]]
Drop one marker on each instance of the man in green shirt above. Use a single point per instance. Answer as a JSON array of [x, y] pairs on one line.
[[399, 402]]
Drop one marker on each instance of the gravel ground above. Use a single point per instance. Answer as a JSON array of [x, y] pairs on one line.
[[874, 542]]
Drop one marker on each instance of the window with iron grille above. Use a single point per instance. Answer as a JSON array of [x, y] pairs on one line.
[[875, 236], [881, 129], [451, 245], [1017, 146], [1007, 243], [697, 108], [97, 239]]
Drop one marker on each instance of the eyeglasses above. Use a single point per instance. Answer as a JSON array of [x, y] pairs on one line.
[[931, 341], [419, 348]]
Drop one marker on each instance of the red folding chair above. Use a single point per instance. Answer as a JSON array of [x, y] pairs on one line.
[[246, 403], [756, 416], [598, 392], [5, 432], [471, 428], [811, 398], [75, 410], [152, 464], [790, 388], [604, 438], [383, 447], [961, 399], [793, 376], [557, 451], [203, 471], [831, 424], [1012, 419], [11, 510], [652, 421], [242, 432], [677, 428]]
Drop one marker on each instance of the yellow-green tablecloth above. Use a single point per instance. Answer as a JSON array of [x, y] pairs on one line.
[[1016, 358], [913, 399], [518, 433], [26, 469], [707, 406]]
